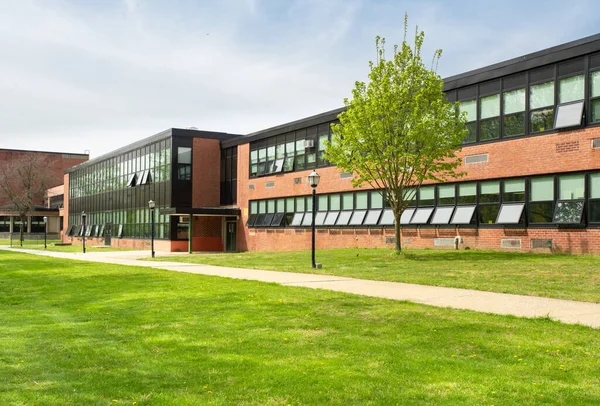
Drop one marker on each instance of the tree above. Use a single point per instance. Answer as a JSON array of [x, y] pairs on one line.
[[23, 184], [398, 130]]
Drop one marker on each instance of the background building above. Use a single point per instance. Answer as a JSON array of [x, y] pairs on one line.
[[57, 163], [531, 161]]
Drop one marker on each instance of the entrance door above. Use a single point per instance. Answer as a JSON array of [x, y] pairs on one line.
[[107, 234], [230, 236]]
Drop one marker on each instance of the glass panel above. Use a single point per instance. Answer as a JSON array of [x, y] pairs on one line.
[[404, 218], [595, 107], [307, 221], [376, 200], [387, 219], [280, 206], [334, 202], [514, 101], [262, 206], [470, 107], [489, 106], [322, 139], [254, 207], [442, 215], [514, 125], [271, 206], [463, 215], [542, 189], [299, 204], [280, 151], [309, 202], [471, 135], [595, 84], [569, 115], [541, 212], [489, 129], [594, 209], [331, 218], [358, 217], [571, 89], [362, 200], [422, 215], [268, 220], [184, 155], [467, 193], [510, 213], [277, 220], [343, 218], [490, 192], [289, 205], [569, 212], [348, 201], [278, 166], [595, 185], [571, 187], [541, 95], [542, 120], [300, 147], [426, 195], [446, 194], [253, 157], [289, 149], [288, 164], [322, 206], [372, 217], [320, 218], [297, 220], [488, 213]]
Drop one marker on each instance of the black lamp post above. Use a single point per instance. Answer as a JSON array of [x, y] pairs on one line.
[[152, 205], [45, 231], [83, 216], [313, 181]]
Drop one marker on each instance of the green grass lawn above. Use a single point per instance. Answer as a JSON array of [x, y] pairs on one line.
[[558, 276], [78, 333], [17, 243]]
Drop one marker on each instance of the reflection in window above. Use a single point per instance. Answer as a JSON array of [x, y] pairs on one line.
[[489, 120], [514, 113], [571, 89], [541, 206], [426, 196], [470, 107], [595, 96], [467, 193], [568, 212]]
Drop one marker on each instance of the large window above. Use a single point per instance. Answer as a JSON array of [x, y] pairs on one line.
[[184, 163], [541, 105], [595, 97], [470, 108], [514, 113], [571, 192], [489, 201], [489, 117], [594, 202], [541, 206]]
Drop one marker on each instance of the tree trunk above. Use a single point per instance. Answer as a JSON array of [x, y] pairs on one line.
[[397, 229]]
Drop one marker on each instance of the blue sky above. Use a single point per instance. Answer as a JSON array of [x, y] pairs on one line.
[[98, 74]]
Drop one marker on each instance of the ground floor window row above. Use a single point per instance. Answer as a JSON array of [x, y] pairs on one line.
[[135, 223], [37, 224], [564, 199]]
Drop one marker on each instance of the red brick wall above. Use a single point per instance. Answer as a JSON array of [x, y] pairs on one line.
[[550, 153], [206, 173]]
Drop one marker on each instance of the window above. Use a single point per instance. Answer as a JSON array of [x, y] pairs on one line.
[[184, 163], [320, 218], [595, 96], [594, 202], [387, 219], [405, 218], [569, 115], [514, 190], [331, 218], [571, 187], [307, 221], [372, 217], [277, 220], [376, 199], [470, 108], [297, 220], [541, 206], [322, 203], [334, 202], [300, 204], [361, 200], [253, 162], [489, 117], [510, 213], [323, 137], [514, 113], [442, 215], [446, 195], [463, 215], [343, 218], [426, 196], [571, 89], [568, 212], [541, 104], [357, 217], [489, 199], [422, 215], [467, 193], [347, 201]]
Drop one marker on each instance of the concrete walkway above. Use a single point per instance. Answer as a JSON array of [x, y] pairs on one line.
[[566, 311]]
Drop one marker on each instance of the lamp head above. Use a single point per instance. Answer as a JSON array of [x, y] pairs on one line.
[[151, 204], [313, 179]]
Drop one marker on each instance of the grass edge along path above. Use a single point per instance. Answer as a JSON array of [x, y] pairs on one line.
[[545, 275], [75, 332]]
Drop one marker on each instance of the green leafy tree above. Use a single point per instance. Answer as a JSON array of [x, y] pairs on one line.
[[398, 130]]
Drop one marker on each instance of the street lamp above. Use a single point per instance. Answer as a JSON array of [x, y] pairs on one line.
[[83, 216], [152, 205], [313, 181], [45, 230]]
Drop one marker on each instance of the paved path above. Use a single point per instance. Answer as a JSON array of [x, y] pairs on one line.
[[566, 311]]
